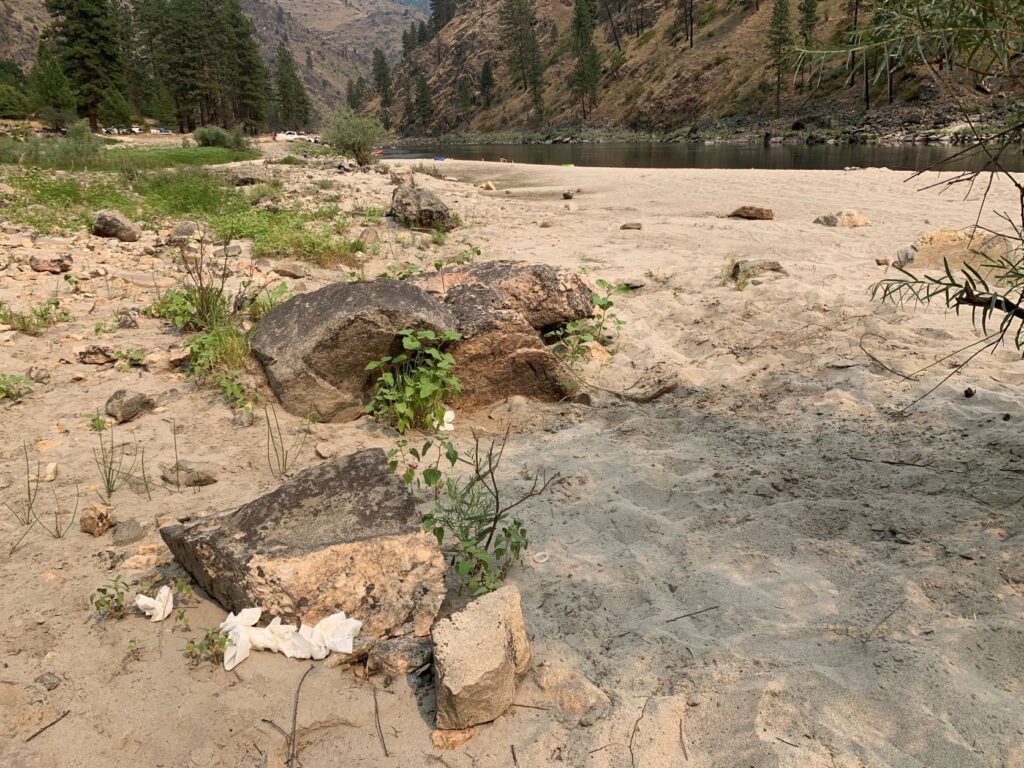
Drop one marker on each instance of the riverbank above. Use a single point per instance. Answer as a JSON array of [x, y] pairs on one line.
[[764, 566], [936, 122]]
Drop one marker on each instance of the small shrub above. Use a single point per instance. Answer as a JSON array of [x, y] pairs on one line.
[[604, 327], [214, 136], [210, 647], [354, 134], [221, 349], [111, 600], [13, 387], [413, 385], [37, 319]]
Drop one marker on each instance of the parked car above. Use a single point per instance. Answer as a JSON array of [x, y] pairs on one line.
[[289, 136]]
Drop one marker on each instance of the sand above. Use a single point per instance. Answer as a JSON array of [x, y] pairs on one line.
[[855, 576]]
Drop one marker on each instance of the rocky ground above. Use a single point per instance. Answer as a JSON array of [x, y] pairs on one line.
[[765, 566]]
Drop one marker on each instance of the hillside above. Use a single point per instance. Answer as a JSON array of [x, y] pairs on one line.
[[336, 36], [651, 81]]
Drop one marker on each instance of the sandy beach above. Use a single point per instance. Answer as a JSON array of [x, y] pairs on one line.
[[773, 565]]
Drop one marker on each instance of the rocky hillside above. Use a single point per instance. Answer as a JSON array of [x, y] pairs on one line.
[[651, 81], [332, 40]]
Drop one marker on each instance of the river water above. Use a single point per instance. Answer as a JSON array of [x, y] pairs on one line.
[[908, 157]]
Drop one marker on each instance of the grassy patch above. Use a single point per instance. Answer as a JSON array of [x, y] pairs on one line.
[[36, 320], [92, 155]]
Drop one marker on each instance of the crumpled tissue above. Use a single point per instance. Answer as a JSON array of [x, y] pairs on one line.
[[157, 608], [333, 633]]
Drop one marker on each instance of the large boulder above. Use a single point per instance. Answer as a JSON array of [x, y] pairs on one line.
[[479, 654], [117, 225], [341, 536], [500, 354], [419, 207], [546, 296], [314, 348]]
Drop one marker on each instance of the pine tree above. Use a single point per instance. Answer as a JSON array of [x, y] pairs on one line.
[[422, 34], [382, 77], [517, 19], [808, 19], [87, 34], [249, 73], [587, 72], [780, 44], [114, 110], [465, 93], [487, 83], [424, 105], [11, 74], [355, 93], [441, 12], [293, 107], [50, 94]]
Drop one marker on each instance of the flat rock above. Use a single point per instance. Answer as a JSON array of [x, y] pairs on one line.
[[419, 207], [753, 212], [185, 232], [344, 535], [314, 348], [247, 175], [545, 295], [847, 218], [188, 474], [127, 532], [53, 263], [125, 405], [116, 225], [479, 653], [442, 739], [399, 655], [96, 355], [632, 225]]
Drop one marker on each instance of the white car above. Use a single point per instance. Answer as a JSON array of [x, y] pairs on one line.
[[289, 136]]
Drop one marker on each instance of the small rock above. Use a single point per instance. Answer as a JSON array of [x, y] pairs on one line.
[[573, 693], [247, 175], [96, 355], [632, 225], [847, 218], [38, 375], [399, 655], [50, 262], [369, 236], [325, 450], [290, 270], [568, 194], [419, 207], [751, 267], [116, 225], [50, 473], [490, 186], [547, 224], [188, 474], [124, 405], [479, 652], [48, 680], [753, 212], [185, 232], [127, 532], [95, 520], [906, 255], [969, 392], [6, 190], [228, 252], [242, 418], [882, 262], [451, 739]]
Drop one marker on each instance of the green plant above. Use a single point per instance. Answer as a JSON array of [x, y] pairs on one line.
[[405, 271], [213, 136], [476, 513], [13, 387], [439, 238], [352, 133], [27, 515], [97, 421], [60, 529], [372, 215], [604, 327], [37, 319], [281, 458], [264, 300], [210, 647], [412, 386], [111, 600], [128, 358], [110, 460]]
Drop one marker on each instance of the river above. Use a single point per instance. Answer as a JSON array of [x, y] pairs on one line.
[[907, 157]]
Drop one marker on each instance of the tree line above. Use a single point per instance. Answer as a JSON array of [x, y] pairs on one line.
[[181, 63]]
